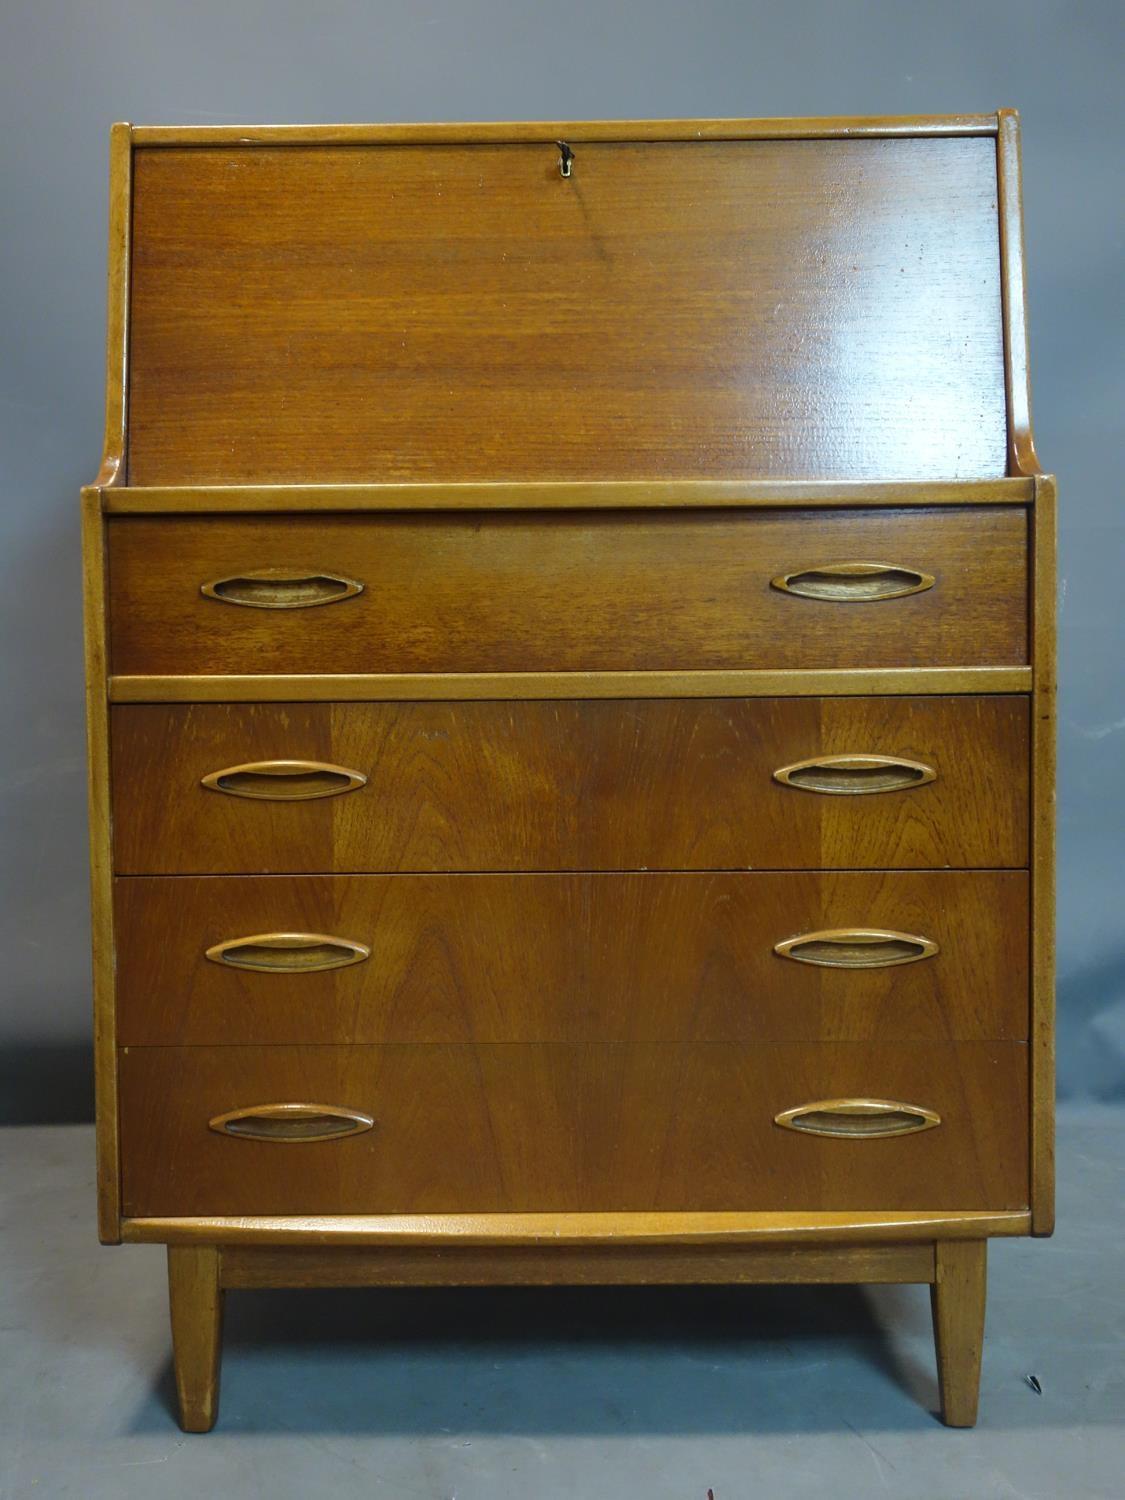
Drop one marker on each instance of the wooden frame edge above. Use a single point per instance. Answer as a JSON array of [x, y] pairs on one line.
[[112, 468], [469, 686], [245, 1266], [1043, 758], [532, 132], [101, 867], [562, 495], [1022, 457], [546, 1229]]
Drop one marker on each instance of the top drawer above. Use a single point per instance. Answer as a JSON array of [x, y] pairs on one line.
[[573, 591]]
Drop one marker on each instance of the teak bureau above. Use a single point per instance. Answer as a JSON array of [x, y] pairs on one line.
[[571, 691]]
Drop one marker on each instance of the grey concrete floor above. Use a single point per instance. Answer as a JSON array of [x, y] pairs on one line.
[[494, 1395]]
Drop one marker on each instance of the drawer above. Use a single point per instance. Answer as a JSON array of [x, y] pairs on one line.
[[568, 591], [572, 1128], [572, 958], [644, 784]]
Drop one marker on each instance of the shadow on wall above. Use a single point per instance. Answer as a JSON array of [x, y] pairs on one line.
[[47, 1085]]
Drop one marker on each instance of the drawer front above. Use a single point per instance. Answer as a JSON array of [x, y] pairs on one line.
[[572, 591], [572, 958], [572, 1128], [647, 784]]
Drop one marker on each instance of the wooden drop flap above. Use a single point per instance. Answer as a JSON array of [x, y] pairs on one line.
[[727, 308]]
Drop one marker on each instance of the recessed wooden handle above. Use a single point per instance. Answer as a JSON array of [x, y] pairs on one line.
[[856, 948], [851, 775], [286, 1123], [854, 582], [858, 1119], [288, 953], [285, 780], [281, 588]]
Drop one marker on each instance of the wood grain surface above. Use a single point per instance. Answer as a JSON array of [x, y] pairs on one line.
[[595, 1127], [548, 132], [537, 958], [607, 1264], [195, 1301], [523, 591], [957, 1299], [642, 784], [100, 821], [781, 308], [589, 494], [452, 687], [810, 1229]]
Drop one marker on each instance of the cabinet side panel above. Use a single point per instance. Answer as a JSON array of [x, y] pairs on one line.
[[112, 469], [1044, 651], [101, 866]]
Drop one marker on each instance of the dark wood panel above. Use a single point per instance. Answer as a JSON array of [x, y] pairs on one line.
[[523, 591], [642, 784], [568, 1128], [538, 958], [782, 309]]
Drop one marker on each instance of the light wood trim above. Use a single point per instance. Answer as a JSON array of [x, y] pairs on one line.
[[195, 1301], [573, 131], [585, 1265], [577, 1229], [957, 1298], [1043, 755], [882, 779], [101, 869], [857, 937], [562, 495], [462, 686], [301, 948], [858, 1119], [1022, 457], [276, 778], [853, 582], [112, 467]]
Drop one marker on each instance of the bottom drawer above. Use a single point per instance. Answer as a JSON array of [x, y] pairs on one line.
[[571, 1128]]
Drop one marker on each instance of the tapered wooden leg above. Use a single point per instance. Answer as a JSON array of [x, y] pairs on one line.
[[957, 1298], [196, 1300]]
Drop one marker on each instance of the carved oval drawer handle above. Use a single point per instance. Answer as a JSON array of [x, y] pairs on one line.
[[855, 775], [288, 953], [858, 1119], [856, 948], [281, 588], [288, 1123], [854, 582], [285, 780]]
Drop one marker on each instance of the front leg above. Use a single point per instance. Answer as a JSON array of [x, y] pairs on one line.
[[196, 1301], [957, 1299]]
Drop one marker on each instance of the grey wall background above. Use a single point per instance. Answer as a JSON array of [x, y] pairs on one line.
[[67, 69]]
